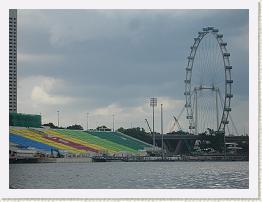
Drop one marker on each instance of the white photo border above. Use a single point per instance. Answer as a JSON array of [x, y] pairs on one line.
[[252, 192]]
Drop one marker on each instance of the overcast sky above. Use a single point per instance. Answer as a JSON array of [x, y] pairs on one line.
[[112, 62]]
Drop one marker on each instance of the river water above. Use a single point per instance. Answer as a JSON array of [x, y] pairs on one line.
[[130, 175]]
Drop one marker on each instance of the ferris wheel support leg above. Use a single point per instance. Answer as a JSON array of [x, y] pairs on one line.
[[154, 137], [217, 109], [196, 131]]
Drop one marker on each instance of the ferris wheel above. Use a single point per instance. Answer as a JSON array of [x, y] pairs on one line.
[[208, 83]]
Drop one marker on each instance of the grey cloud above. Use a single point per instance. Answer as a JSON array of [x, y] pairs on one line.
[[124, 57]]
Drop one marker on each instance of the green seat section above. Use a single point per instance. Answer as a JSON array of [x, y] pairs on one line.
[[110, 146], [137, 141], [121, 139]]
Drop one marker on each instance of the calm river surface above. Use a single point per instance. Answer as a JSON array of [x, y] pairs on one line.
[[130, 175]]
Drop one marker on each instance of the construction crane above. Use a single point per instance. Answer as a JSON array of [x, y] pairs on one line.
[[176, 123], [149, 126]]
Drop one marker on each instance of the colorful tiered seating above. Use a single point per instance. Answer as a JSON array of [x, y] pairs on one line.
[[75, 141]]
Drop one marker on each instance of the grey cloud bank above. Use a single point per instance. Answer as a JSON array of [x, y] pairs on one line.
[[94, 60]]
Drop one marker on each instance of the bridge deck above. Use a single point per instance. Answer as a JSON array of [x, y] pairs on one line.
[[196, 137]]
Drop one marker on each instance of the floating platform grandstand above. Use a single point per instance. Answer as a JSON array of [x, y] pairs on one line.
[[28, 139], [75, 142], [26, 132]]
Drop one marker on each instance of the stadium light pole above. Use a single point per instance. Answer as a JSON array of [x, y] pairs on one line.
[[58, 118], [153, 103]]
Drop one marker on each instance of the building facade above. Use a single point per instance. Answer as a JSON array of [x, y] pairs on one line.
[[12, 60]]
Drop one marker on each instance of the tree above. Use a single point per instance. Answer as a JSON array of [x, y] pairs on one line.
[[138, 133], [121, 130], [212, 139], [103, 128], [75, 127], [51, 125], [179, 132]]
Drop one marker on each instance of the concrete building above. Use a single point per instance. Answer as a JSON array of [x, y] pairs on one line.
[[12, 60]]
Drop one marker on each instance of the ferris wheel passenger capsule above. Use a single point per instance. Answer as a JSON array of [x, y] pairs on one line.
[[196, 39], [228, 67], [228, 109], [229, 95], [219, 35], [226, 54], [215, 30], [225, 122], [187, 105], [229, 81]]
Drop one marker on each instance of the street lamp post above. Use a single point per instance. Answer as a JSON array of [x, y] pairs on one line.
[[41, 118], [162, 137], [153, 103], [113, 123], [225, 146], [87, 121], [58, 118]]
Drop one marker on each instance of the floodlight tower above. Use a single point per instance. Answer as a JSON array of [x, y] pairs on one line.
[[153, 104]]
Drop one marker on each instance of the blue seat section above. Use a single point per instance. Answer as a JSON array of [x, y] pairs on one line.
[[25, 142]]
